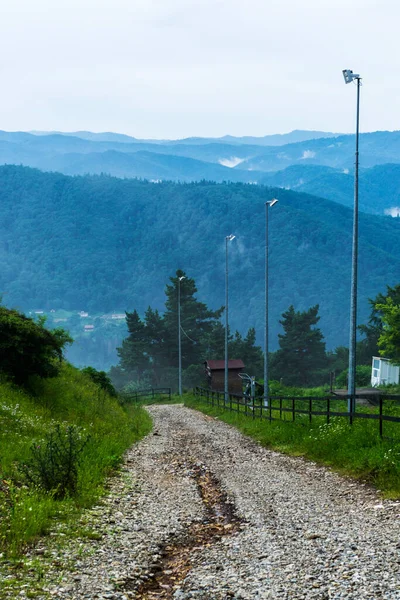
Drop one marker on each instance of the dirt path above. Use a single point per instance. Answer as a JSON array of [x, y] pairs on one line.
[[203, 512]]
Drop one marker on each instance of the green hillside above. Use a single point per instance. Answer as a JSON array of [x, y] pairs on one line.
[[34, 426], [106, 245]]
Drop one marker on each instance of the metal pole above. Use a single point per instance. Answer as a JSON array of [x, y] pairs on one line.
[[266, 394], [268, 204], [179, 339], [354, 264], [226, 320]]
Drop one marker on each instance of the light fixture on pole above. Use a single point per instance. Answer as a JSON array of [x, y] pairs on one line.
[[349, 76], [228, 238], [179, 337], [266, 390]]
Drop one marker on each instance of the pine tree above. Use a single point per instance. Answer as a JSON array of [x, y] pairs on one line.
[[134, 352], [302, 349]]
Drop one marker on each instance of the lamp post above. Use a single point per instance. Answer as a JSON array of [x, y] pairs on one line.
[[228, 238], [349, 76], [268, 204], [179, 337]]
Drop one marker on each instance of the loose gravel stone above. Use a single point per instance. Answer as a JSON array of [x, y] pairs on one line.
[[306, 532]]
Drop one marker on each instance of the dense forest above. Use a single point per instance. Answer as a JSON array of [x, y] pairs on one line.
[[106, 245]]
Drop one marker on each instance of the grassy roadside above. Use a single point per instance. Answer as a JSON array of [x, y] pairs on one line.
[[355, 450], [26, 420]]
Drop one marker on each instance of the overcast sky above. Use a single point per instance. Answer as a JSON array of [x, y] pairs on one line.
[[178, 68]]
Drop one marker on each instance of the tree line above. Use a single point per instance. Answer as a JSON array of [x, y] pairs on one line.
[[148, 356]]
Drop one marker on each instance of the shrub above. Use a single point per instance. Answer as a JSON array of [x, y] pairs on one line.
[[100, 378], [53, 465], [27, 348], [363, 377]]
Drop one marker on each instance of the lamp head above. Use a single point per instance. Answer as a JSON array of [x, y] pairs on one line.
[[349, 76], [273, 201], [230, 237], [180, 278]]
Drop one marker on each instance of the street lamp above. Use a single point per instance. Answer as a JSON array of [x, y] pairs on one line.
[[179, 337], [268, 204], [349, 76], [228, 238]]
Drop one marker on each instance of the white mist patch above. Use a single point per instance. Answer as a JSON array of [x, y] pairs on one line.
[[231, 162], [345, 171], [308, 154], [394, 211]]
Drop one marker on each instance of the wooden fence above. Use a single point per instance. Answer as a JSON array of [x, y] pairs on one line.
[[149, 395], [379, 407]]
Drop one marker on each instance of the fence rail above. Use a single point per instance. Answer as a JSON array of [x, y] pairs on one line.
[[150, 394], [379, 407]]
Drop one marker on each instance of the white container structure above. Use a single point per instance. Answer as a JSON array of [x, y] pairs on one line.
[[383, 372]]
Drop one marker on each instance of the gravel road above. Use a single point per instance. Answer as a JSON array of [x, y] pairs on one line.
[[304, 532]]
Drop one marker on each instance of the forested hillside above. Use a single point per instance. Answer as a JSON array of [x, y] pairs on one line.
[[106, 245]]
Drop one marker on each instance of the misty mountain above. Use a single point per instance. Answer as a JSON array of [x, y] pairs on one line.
[[299, 166], [267, 140], [104, 244], [338, 152], [379, 187], [146, 165]]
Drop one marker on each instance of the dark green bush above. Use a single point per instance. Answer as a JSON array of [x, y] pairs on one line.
[[363, 377], [27, 348], [53, 465], [101, 379]]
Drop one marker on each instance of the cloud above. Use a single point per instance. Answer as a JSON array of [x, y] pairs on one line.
[[231, 162], [308, 154], [394, 211]]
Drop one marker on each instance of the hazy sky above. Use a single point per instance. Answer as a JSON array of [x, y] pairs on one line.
[[177, 68]]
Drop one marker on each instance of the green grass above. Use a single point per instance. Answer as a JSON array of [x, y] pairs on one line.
[[355, 450], [69, 399]]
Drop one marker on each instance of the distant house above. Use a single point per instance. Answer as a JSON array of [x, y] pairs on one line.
[[88, 327], [83, 314], [383, 371], [215, 371], [119, 316]]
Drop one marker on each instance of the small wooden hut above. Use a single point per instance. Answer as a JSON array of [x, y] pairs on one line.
[[215, 372]]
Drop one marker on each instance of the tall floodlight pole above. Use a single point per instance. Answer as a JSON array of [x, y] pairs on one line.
[[179, 337], [228, 238], [266, 390], [349, 76]]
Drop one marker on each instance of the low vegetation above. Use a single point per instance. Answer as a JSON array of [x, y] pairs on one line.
[[59, 441]]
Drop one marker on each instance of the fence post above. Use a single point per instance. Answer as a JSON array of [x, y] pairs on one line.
[[252, 406], [270, 408], [310, 410], [280, 407], [293, 408], [328, 409], [380, 415], [352, 400]]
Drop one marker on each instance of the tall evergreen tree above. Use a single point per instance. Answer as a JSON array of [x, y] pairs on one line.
[[302, 350], [134, 352], [197, 321]]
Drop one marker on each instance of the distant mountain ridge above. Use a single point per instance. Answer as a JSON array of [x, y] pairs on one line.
[[278, 139], [321, 165]]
